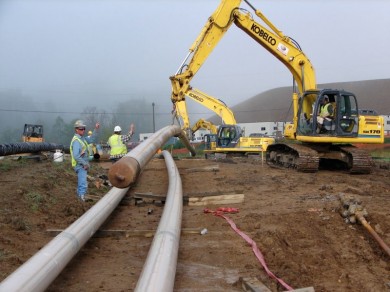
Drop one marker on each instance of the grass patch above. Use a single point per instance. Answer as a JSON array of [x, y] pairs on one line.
[[382, 153], [10, 164], [18, 223], [35, 200], [5, 165]]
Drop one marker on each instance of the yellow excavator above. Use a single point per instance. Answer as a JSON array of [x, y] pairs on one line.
[[203, 124], [227, 138], [322, 141]]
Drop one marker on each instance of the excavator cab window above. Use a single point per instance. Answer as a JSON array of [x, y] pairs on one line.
[[228, 134], [210, 141], [224, 136], [347, 115], [343, 120], [32, 133], [33, 130], [307, 108]]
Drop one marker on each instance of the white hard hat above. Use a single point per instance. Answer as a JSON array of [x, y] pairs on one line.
[[117, 129]]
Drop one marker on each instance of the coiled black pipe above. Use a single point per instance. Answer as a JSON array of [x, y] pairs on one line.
[[29, 147]]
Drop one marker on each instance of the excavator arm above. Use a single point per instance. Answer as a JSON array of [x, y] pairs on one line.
[[272, 39], [212, 32], [212, 103], [203, 124]]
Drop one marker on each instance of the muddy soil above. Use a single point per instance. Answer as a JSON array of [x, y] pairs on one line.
[[294, 219]]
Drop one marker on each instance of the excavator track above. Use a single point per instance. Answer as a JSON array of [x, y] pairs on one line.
[[294, 156], [359, 160], [306, 158]]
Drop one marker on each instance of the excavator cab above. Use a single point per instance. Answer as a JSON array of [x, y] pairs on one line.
[[228, 136], [343, 121]]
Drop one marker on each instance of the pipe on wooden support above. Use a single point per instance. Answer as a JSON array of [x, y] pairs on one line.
[[42, 268], [125, 171], [158, 273]]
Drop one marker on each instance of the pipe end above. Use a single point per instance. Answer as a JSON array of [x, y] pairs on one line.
[[124, 172]]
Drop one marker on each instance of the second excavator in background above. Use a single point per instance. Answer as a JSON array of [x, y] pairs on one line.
[[228, 138], [322, 139], [203, 124]]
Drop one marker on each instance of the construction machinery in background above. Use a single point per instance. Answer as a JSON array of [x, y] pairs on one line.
[[32, 133], [203, 124], [346, 124], [227, 138]]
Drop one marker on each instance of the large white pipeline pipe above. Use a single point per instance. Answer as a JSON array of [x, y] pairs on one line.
[[125, 171], [159, 270], [42, 268]]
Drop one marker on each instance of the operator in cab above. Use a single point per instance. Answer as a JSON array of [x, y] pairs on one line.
[[326, 114]]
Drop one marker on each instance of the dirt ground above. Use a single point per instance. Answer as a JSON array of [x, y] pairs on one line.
[[294, 218]]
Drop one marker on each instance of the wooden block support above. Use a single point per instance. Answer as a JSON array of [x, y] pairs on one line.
[[198, 199], [214, 168], [216, 200], [149, 196], [254, 285], [307, 289]]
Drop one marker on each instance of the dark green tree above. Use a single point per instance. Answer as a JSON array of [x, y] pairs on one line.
[[60, 133], [11, 136]]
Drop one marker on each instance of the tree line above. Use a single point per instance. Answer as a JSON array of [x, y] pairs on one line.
[[60, 130]]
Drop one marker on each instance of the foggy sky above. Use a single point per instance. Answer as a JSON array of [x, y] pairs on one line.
[[74, 53]]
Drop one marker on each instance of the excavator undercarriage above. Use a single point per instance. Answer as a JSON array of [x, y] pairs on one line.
[[311, 157]]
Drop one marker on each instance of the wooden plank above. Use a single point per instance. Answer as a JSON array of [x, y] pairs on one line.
[[213, 200], [92, 198], [203, 169], [253, 285], [199, 194], [192, 199], [307, 289], [149, 196]]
